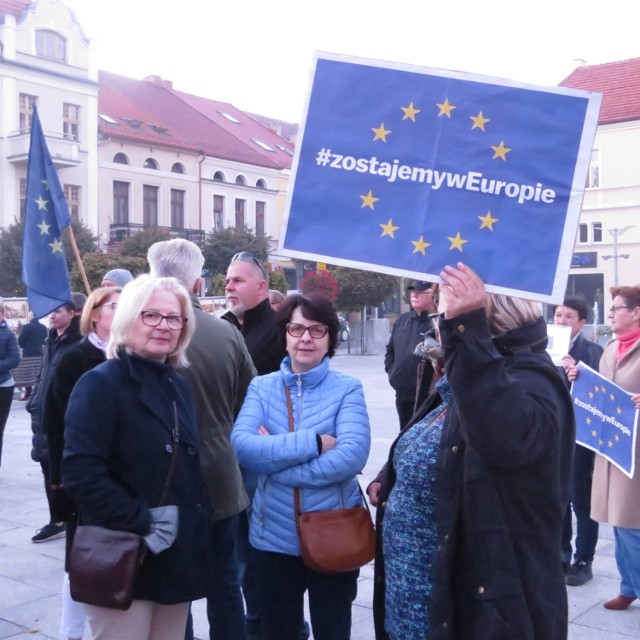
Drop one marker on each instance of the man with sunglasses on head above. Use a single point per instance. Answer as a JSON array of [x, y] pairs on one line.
[[400, 363]]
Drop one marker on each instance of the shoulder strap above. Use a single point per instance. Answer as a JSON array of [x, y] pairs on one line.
[[174, 456]]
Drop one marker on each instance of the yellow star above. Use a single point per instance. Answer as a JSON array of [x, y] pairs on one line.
[[410, 112], [46, 184], [603, 389], [56, 245], [42, 204], [597, 388], [611, 396], [601, 443], [368, 200], [381, 133], [618, 410], [44, 228], [617, 437], [500, 151], [388, 229], [588, 420], [456, 242], [420, 245], [479, 121], [487, 221], [610, 444], [445, 108], [591, 394], [594, 433]]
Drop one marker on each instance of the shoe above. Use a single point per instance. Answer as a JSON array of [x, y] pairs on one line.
[[619, 603], [49, 532], [579, 574]]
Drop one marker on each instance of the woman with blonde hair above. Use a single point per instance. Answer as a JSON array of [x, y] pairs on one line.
[[124, 420], [471, 500]]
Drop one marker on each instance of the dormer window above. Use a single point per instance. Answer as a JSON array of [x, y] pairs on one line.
[[51, 45]]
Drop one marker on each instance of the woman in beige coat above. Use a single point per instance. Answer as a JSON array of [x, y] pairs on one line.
[[615, 498]]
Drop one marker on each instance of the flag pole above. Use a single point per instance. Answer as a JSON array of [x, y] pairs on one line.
[[76, 253]]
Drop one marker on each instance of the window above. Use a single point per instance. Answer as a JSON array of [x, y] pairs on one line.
[[263, 145], [72, 196], [176, 167], [583, 233], [218, 212], [120, 158], [240, 209], [150, 163], [70, 120], [593, 177], [23, 197], [120, 202], [260, 208], [149, 206], [241, 180], [108, 119], [177, 209], [26, 111], [229, 117], [261, 183], [596, 231], [218, 176], [50, 44]]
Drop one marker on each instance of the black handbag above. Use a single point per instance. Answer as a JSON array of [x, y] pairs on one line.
[[335, 540], [104, 563]]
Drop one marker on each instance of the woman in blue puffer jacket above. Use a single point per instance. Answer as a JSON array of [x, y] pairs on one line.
[[322, 457]]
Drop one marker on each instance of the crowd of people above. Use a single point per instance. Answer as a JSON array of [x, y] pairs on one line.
[[196, 432]]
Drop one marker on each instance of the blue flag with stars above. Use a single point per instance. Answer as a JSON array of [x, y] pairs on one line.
[[404, 170], [44, 265], [606, 418]]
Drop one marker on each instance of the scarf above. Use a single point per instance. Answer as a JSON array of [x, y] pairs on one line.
[[626, 341], [97, 342]]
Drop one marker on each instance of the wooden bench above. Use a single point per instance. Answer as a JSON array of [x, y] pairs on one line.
[[26, 373]]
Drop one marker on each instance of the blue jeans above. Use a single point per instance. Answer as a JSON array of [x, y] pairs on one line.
[[282, 581], [628, 560], [586, 528], [225, 609]]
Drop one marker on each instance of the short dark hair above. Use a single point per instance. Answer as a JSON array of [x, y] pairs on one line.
[[577, 304], [314, 307]]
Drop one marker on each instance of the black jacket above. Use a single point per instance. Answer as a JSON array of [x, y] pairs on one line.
[[54, 347], [262, 336], [31, 338], [502, 488], [9, 351], [399, 362], [119, 437]]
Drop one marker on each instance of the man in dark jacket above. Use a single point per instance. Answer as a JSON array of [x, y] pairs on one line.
[[64, 333], [400, 363], [31, 341], [219, 373], [9, 359], [573, 313]]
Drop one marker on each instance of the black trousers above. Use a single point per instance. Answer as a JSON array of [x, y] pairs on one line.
[[6, 398]]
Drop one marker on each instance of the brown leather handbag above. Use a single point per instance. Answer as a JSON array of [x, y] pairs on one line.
[[336, 540], [104, 563]]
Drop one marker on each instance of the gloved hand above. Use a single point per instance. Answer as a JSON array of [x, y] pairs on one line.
[[164, 528]]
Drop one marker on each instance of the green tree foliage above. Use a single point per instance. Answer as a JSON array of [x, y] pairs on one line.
[[97, 263], [11, 251], [320, 282], [278, 282], [220, 246], [218, 283], [137, 245], [363, 288]]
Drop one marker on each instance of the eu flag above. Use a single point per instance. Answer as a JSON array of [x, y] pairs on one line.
[[44, 265], [606, 418], [404, 170]]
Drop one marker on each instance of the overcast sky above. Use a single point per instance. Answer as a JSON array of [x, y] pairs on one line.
[[257, 54]]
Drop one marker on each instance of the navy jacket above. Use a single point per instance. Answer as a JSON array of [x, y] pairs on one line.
[[9, 352], [31, 338], [119, 435]]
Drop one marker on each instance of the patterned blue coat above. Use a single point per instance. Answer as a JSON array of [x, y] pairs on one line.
[[324, 402]]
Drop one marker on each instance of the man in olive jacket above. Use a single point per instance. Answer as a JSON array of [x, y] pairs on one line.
[[219, 374]]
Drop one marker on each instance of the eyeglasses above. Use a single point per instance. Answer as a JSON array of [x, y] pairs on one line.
[[316, 331], [619, 306], [246, 256], [153, 319], [113, 305]]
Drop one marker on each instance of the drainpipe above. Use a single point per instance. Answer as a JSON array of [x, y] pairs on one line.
[[200, 161]]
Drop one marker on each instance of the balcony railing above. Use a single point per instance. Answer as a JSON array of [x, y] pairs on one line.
[[122, 230]]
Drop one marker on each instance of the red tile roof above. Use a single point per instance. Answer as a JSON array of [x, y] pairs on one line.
[[13, 8], [619, 84], [151, 111]]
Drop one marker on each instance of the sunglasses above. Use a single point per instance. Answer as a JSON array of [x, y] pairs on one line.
[[246, 256]]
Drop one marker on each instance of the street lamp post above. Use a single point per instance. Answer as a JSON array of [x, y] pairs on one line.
[[615, 233]]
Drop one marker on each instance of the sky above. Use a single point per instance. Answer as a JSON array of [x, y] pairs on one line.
[[258, 54]]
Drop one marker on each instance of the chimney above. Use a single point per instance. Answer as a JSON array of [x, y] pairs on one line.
[[167, 84]]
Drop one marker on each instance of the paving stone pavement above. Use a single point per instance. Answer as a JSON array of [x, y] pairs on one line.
[[31, 574]]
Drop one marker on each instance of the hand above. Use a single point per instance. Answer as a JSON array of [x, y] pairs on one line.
[[636, 400], [463, 290], [373, 491], [572, 373], [568, 362], [328, 442]]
